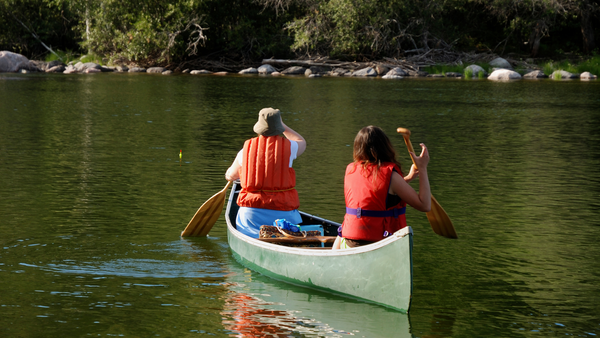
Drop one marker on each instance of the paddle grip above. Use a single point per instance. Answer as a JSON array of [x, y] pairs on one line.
[[406, 135]]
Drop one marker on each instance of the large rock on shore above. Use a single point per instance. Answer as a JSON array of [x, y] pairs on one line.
[[500, 63], [266, 69], [588, 76], [250, 70], [397, 72], [13, 62], [475, 70], [369, 71], [536, 74], [87, 67], [294, 70], [563, 75], [156, 70], [504, 75]]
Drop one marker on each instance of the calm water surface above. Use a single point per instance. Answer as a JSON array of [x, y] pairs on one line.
[[93, 197]]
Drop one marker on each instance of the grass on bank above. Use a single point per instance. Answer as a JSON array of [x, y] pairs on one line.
[[591, 65], [70, 56]]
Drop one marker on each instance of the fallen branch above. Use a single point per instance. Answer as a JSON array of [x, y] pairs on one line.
[[35, 36]]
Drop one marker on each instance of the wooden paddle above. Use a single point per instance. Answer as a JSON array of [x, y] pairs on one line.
[[207, 215], [438, 218]]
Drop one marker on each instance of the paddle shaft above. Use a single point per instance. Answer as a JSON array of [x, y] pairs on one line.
[[438, 218]]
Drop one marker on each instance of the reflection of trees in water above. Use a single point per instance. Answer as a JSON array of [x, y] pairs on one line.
[[243, 315], [249, 316]]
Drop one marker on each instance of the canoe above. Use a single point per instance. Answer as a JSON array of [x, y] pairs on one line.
[[379, 273]]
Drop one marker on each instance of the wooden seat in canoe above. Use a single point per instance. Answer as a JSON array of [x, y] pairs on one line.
[[299, 240]]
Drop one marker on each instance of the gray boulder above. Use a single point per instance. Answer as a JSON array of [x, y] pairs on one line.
[[156, 70], [475, 70], [83, 67], [122, 68], [453, 74], [266, 69], [381, 70], [167, 72], [340, 72], [417, 73], [202, 71], [250, 70], [588, 76], [397, 71], [500, 63], [294, 70], [56, 69], [316, 70], [12, 62], [70, 69], [137, 70], [563, 75], [369, 71], [536, 74], [504, 75]]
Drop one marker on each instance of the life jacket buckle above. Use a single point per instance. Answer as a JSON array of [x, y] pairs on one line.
[[358, 212]]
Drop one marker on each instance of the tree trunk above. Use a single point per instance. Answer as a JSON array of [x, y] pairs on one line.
[[587, 29], [539, 31], [87, 28]]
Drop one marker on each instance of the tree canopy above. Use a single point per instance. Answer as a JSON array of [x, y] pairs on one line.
[[163, 32]]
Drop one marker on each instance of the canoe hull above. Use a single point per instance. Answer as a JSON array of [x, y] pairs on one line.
[[379, 273]]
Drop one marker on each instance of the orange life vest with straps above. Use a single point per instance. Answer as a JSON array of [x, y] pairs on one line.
[[267, 180], [366, 191]]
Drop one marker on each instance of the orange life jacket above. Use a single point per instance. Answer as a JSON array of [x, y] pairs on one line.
[[267, 180], [367, 217]]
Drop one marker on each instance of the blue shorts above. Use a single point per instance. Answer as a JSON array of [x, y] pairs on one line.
[[249, 220]]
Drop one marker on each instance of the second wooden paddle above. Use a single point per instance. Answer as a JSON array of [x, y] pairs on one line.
[[207, 215], [437, 216]]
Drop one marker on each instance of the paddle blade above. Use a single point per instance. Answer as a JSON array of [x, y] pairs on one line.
[[440, 221], [207, 215]]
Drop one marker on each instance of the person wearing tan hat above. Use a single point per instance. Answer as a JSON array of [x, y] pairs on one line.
[[264, 168]]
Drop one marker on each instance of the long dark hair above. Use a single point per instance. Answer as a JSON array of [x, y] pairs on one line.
[[372, 146]]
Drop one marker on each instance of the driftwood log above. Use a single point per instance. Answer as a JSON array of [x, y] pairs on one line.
[[414, 60]]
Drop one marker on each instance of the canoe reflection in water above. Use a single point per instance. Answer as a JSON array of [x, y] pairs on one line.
[[257, 306], [247, 317]]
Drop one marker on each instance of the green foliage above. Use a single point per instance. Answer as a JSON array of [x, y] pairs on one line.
[[592, 65], [557, 76], [64, 56], [468, 73], [152, 32], [550, 66], [21, 20], [443, 69]]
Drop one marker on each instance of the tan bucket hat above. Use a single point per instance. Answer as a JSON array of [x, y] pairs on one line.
[[269, 122]]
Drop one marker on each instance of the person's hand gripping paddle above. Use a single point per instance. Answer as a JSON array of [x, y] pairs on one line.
[[438, 218]]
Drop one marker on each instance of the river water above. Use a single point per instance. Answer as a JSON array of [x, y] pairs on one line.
[[93, 196]]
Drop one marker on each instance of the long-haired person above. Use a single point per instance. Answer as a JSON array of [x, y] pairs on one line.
[[377, 192]]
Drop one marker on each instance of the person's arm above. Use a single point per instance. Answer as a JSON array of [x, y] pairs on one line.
[[413, 173], [233, 173], [294, 136], [422, 200]]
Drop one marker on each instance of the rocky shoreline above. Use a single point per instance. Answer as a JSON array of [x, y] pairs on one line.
[[390, 69]]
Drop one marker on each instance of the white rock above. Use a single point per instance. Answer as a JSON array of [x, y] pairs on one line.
[[504, 75]]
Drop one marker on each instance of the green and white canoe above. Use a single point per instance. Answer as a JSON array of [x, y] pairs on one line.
[[380, 273]]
